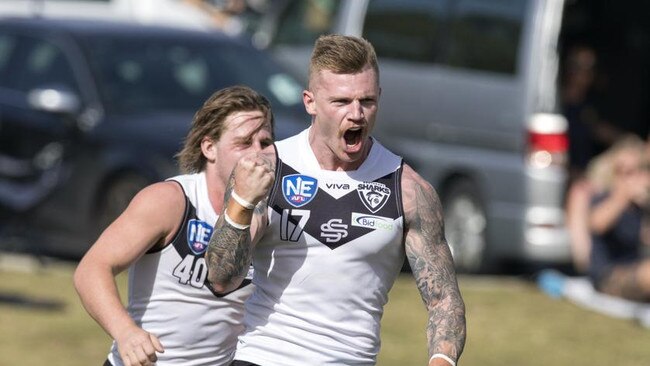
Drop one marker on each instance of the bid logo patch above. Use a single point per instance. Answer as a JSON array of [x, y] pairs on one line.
[[371, 221], [299, 189], [198, 235]]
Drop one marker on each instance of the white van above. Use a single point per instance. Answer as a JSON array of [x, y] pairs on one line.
[[469, 99]]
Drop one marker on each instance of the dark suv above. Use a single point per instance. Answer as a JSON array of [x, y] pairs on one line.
[[91, 111]]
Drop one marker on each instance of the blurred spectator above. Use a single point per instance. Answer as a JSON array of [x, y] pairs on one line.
[[617, 218], [589, 136], [225, 17], [234, 17], [168, 12], [589, 132], [594, 181], [577, 216]]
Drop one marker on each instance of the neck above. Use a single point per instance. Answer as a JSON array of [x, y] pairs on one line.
[[216, 190]]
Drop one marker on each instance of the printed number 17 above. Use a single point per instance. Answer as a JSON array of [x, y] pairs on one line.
[[290, 231]]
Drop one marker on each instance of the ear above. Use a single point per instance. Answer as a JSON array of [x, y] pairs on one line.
[[309, 101], [209, 149]]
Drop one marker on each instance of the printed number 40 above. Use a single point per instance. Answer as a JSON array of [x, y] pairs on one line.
[[191, 271], [288, 229]]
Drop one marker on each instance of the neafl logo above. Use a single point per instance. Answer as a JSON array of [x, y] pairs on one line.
[[198, 236], [374, 195], [299, 189]]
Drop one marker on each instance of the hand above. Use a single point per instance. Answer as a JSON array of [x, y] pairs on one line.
[[254, 176], [139, 347], [634, 188]]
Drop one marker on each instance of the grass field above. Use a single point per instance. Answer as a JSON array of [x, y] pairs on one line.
[[509, 323]]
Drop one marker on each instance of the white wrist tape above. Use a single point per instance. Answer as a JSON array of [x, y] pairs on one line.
[[234, 224], [245, 204], [444, 357]]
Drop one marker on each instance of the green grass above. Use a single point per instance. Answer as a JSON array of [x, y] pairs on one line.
[[509, 323]]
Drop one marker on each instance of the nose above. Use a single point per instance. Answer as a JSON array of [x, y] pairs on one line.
[[357, 110], [257, 146]]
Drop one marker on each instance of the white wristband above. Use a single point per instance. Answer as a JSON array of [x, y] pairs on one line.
[[245, 204], [444, 357], [234, 224]]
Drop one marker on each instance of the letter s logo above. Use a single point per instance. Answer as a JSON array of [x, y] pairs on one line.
[[334, 230]]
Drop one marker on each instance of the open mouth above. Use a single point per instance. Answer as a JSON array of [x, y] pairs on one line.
[[353, 136]]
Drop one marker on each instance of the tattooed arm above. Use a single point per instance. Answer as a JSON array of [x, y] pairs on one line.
[[433, 268], [229, 252]]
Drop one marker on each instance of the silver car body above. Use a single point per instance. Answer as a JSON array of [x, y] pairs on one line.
[[468, 131]]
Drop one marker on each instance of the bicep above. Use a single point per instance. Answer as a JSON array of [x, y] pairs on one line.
[[425, 245]]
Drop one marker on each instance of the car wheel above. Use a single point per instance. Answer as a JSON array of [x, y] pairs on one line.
[[116, 197], [465, 227]]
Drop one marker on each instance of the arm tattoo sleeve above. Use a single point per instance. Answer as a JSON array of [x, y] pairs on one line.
[[433, 269], [228, 256]]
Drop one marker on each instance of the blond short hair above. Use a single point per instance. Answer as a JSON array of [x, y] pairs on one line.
[[342, 55]]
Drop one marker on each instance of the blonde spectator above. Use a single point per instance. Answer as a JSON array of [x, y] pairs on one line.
[[598, 178], [621, 184]]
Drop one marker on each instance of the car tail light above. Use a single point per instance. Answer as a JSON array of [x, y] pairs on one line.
[[548, 143]]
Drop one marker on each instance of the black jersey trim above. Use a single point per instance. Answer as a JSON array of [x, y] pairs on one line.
[[155, 248], [276, 184], [398, 194], [208, 285]]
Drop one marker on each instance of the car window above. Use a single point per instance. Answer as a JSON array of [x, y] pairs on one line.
[[42, 64], [7, 47], [238, 65], [484, 34], [408, 29], [165, 74], [303, 21], [471, 34]]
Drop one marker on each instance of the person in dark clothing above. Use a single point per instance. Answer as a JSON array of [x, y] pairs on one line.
[[589, 132], [618, 224]]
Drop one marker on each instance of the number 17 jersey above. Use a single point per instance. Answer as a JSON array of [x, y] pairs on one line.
[[331, 252]]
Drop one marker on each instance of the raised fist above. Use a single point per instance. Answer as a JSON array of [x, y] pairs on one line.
[[254, 175]]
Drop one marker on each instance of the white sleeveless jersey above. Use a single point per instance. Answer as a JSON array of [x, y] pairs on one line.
[[330, 255], [169, 296]]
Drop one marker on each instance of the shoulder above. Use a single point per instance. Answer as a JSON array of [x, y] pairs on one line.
[[411, 177], [413, 184], [163, 191], [417, 194], [159, 199]]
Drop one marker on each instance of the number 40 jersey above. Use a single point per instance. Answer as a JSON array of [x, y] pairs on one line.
[[170, 297]]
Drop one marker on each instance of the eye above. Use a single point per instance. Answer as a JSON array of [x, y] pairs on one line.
[[266, 143], [368, 101], [245, 142]]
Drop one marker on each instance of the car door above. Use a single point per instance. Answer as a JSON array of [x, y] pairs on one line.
[[38, 99]]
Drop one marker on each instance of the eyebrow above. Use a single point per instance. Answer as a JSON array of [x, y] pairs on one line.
[[248, 136]]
